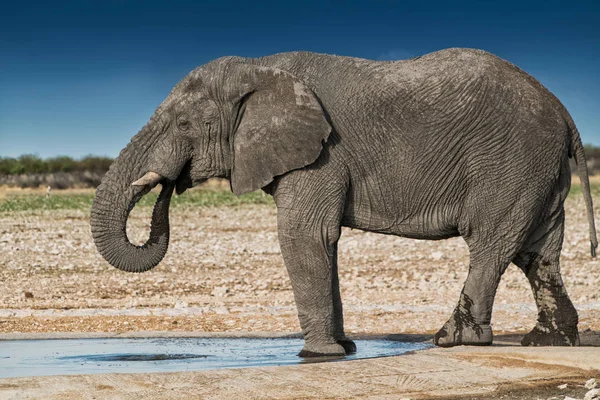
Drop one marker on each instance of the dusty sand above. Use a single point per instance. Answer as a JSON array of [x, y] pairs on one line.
[[224, 273]]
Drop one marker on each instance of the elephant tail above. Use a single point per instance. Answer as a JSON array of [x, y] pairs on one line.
[[578, 153]]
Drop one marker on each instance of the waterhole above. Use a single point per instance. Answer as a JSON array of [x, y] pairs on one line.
[[119, 355]]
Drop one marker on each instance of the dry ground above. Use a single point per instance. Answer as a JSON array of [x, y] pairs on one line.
[[224, 273]]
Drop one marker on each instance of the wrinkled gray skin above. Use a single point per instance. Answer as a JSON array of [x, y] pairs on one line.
[[453, 143]]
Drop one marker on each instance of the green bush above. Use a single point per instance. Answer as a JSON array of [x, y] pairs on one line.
[[32, 164], [11, 166], [93, 163], [60, 164]]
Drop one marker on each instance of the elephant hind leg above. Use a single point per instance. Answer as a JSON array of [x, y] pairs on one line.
[[470, 321], [490, 255], [539, 260]]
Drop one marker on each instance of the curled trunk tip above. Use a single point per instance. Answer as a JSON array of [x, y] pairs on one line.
[[109, 228]]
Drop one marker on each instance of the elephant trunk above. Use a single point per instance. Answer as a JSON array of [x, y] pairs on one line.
[[116, 197]]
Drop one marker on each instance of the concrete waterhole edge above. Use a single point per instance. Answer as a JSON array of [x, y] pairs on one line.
[[461, 372]]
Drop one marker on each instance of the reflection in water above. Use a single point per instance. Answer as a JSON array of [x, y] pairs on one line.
[[132, 357]]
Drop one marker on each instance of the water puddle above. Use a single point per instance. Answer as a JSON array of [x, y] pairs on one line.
[[119, 355]]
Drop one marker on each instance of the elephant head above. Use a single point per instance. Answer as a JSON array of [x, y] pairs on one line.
[[228, 118]]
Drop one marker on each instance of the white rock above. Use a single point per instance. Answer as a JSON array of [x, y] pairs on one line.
[[219, 291], [180, 304], [591, 384], [437, 255], [563, 386], [593, 394]]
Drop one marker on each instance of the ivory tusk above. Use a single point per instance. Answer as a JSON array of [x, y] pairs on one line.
[[149, 179]]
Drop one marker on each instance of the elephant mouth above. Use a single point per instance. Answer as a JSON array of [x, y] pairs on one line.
[[184, 181]]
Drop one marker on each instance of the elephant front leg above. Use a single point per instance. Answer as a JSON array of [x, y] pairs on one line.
[[338, 317], [311, 261]]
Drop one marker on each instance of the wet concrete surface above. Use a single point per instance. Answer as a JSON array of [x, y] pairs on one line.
[[20, 358], [504, 370]]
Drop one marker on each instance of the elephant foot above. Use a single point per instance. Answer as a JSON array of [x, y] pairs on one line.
[[341, 348], [550, 336], [457, 333], [348, 345]]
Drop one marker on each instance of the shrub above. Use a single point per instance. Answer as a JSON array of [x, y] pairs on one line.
[[11, 166], [32, 164]]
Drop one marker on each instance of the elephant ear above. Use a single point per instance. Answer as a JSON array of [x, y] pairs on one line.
[[282, 127]]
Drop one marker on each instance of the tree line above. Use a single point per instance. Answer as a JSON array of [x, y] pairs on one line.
[[592, 152], [32, 164]]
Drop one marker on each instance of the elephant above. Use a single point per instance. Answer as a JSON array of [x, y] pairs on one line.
[[457, 142]]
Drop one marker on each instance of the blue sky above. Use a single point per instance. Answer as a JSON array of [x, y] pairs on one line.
[[83, 77]]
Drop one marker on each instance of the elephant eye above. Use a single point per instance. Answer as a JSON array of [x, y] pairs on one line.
[[184, 124]]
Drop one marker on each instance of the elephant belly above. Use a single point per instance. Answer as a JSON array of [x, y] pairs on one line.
[[432, 224]]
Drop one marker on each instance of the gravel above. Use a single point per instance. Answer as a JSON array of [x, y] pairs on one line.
[[224, 267]]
